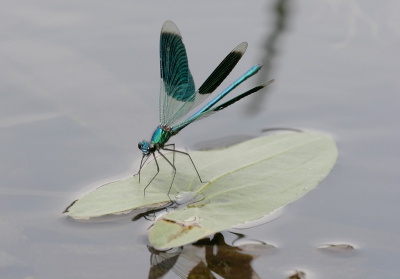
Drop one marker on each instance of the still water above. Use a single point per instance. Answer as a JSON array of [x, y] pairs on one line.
[[79, 88]]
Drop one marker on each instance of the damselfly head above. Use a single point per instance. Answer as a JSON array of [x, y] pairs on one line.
[[146, 147]]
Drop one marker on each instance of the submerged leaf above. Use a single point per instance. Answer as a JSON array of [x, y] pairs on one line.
[[245, 182]]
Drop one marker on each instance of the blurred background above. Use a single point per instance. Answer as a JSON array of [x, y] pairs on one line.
[[79, 88]]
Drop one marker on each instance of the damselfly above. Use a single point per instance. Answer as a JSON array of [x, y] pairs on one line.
[[178, 94]]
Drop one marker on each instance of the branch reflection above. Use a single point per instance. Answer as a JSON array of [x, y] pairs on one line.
[[281, 11]]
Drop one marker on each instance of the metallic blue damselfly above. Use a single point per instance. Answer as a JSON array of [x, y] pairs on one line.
[[178, 94]]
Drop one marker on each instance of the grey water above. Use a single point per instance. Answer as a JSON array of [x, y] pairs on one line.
[[79, 88]]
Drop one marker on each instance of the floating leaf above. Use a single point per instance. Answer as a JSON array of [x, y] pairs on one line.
[[245, 182]]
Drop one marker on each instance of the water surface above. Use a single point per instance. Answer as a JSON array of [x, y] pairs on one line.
[[79, 88]]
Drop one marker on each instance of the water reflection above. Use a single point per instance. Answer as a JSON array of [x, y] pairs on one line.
[[298, 275], [205, 259], [184, 199], [281, 10], [163, 261], [153, 213]]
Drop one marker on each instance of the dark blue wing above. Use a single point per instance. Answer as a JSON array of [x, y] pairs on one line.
[[174, 65], [209, 108], [177, 86], [177, 92]]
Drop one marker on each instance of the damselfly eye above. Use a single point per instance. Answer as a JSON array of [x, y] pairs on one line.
[[140, 145], [152, 148]]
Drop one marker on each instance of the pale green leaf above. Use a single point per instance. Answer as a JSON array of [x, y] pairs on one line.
[[245, 182]]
